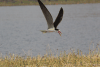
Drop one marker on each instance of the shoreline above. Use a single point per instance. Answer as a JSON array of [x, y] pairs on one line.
[[22, 3], [71, 59]]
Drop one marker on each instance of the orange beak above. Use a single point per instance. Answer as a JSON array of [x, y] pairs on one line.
[[59, 33]]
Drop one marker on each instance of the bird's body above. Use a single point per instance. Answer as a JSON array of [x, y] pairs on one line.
[[48, 30], [52, 27]]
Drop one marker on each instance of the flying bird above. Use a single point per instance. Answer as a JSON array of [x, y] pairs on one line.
[[52, 27]]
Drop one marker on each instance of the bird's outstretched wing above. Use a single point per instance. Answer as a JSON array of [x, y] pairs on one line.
[[59, 18], [47, 15]]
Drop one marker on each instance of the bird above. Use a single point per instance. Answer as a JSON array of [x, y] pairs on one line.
[[52, 27]]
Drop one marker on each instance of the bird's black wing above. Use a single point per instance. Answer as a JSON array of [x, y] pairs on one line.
[[46, 14], [59, 18]]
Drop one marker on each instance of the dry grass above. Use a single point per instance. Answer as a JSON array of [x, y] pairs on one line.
[[71, 59], [52, 2]]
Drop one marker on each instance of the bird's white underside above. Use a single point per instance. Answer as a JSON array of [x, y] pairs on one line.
[[48, 31]]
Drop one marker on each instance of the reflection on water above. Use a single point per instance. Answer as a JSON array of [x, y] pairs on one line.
[[20, 29]]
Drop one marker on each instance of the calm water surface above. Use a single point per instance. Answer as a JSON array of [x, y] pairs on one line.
[[20, 29]]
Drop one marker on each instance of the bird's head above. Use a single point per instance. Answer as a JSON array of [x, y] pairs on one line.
[[59, 32]]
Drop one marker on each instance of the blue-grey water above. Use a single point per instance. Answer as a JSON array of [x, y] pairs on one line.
[[20, 29]]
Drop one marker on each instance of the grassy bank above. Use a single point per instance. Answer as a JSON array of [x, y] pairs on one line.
[[48, 2], [63, 60]]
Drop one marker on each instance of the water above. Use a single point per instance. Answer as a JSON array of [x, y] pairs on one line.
[[20, 29]]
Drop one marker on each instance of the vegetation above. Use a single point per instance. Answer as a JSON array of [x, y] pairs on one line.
[[48, 2], [71, 59]]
